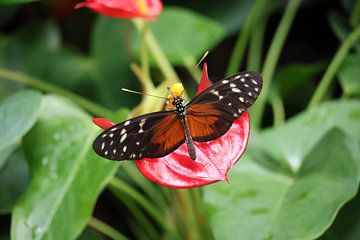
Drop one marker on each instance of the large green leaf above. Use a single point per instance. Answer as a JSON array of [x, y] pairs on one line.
[[185, 35], [14, 178], [67, 176], [293, 141], [18, 114], [347, 224], [261, 204], [349, 73]]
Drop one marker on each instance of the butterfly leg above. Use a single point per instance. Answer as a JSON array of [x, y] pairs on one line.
[[189, 140]]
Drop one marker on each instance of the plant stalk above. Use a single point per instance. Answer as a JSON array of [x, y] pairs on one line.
[[330, 72], [272, 58], [47, 87]]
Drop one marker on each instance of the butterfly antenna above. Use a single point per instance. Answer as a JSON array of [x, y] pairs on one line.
[[140, 93], [202, 59]]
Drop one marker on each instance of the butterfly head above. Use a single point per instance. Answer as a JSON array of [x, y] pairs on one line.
[[176, 94]]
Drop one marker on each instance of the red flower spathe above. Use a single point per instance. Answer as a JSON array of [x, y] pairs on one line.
[[214, 158], [146, 9]]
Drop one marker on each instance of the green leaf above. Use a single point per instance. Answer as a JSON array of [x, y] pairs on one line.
[[18, 114], [347, 224], [270, 205], [14, 178], [108, 47], [340, 26], [67, 176], [294, 79], [349, 73], [185, 35], [293, 76], [295, 139]]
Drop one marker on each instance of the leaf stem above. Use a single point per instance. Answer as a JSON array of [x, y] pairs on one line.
[[278, 109], [272, 58], [47, 87], [150, 208], [158, 54], [330, 72], [240, 45], [255, 49], [106, 229]]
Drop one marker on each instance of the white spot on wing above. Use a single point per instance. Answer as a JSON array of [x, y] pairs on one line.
[[123, 131], [127, 123], [235, 90], [246, 75], [229, 103], [123, 137], [254, 82], [250, 94], [225, 81], [124, 148], [113, 129], [114, 151], [138, 143], [232, 85], [242, 79], [241, 99], [111, 135], [246, 85], [102, 146], [237, 77], [106, 152], [256, 89], [111, 143]]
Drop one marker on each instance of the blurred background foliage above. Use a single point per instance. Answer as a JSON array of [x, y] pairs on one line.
[[299, 178]]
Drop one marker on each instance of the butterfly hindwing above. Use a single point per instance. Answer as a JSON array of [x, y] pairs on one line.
[[150, 135], [211, 113]]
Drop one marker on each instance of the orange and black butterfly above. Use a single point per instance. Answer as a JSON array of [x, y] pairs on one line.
[[208, 116]]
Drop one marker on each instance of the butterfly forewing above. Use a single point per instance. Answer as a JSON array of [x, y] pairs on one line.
[[150, 135], [211, 113]]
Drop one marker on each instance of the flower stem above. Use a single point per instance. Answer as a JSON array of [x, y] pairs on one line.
[[158, 55], [123, 187], [240, 45], [106, 229], [330, 72], [47, 87], [255, 49], [272, 58], [278, 109]]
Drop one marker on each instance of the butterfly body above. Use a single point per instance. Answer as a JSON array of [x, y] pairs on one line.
[[208, 116]]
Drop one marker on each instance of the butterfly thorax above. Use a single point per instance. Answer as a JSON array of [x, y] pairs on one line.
[[179, 107]]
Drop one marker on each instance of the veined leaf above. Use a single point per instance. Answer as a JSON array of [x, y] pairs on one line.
[[67, 176]]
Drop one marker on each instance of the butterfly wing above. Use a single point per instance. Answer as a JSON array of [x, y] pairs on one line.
[[151, 135], [211, 113]]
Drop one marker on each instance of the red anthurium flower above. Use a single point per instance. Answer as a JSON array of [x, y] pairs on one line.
[[146, 9], [214, 158]]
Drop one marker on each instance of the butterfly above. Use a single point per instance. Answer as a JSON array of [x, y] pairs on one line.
[[205, 118]]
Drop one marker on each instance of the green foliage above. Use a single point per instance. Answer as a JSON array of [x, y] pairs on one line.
[[14, 178], [16, 1], [275, 204], [67, 175], [295, 181], [186, 35], [14, 124], [349, 75]]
